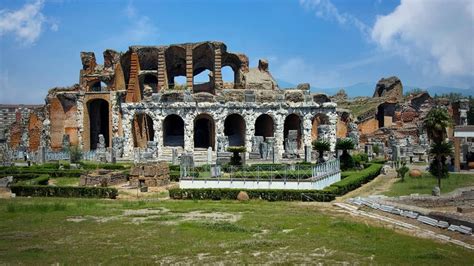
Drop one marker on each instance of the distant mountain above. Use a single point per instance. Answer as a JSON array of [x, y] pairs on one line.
[[367, 89]]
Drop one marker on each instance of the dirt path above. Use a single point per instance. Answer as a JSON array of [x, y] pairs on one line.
[[377, 186]]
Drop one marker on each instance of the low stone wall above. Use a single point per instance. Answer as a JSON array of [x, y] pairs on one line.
[[103, 178], [150, 175]]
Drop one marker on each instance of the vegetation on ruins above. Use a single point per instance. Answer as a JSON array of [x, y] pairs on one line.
[[347, 162], [435, 124], [321, 146]]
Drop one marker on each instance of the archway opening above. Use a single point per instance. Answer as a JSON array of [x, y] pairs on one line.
[[204, 131], [228, 77], [173, 131], [234, 129], [203, 68], [264, 126], [151, 82], [318, 121], [142, 130], [98, 122], [293, 122]]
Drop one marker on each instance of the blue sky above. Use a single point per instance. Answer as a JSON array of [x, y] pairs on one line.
[[328, 43]]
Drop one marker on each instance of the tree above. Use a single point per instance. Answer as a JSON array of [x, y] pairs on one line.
[[347, 162], [436, 122], [321, 146]]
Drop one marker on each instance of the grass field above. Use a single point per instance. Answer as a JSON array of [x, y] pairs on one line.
[[80, 231], [425, 184]]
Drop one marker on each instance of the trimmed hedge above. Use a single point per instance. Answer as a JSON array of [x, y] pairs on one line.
[[40, 180], [51, 172], [263, 194], [355, 180], [66, 192]]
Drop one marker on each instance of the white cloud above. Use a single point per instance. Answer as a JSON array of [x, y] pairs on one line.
[[327, 10], [431, 32], [26, 23]]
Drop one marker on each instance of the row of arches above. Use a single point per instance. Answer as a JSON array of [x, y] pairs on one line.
[[234, 128], [204, 128]]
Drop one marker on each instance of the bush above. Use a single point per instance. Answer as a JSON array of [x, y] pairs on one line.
[[347, 162], [263, 194], [40, 180], [67, 192], [75, 154], [360, 159]]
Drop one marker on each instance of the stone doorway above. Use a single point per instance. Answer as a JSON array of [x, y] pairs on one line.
[[264, 126], [234, 128], [293, 122], [204, 131], [98, 121], [173, 131]]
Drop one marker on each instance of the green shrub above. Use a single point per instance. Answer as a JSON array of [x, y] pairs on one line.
[[75, 154], [67, 192], [347, 162], [354, 180], [360, 159], [263, 194], [40, 180]]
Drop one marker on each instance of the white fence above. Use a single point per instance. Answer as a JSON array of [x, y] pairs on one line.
[[323, 175]]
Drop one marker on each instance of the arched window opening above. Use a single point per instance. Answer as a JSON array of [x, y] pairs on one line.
[[228, 77], [173, 131], [234, 129], [264, 126], [150, 82], [98, 122], [204, 131], [293, 123]]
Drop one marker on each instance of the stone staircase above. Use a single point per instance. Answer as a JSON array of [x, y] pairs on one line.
[[200, 156], [167, 153]]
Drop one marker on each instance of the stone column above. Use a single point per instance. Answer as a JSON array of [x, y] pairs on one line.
[[189, 132], [189, 68], [332, 123], [158, 136], [279, 121], [218, 83], [307, 126], [249, 132]]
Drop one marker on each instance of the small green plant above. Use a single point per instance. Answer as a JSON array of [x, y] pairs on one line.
[[321, 146], [75, 153], [236, 159], [402, 170], [376, 149], [347, 162]]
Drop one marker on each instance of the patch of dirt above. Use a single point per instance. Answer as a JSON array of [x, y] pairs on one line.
[[377, 186]]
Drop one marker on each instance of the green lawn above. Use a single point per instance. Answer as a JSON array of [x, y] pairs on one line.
[[65, 181], [425, 184], [81, 231]]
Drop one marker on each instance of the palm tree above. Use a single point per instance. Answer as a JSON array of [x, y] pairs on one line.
[[321, 146], [436, 122], [346, 159]]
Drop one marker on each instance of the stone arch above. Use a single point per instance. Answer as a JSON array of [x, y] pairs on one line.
[[99, 117], [203, 61], [173, 131], [233, 62], [234, 128], [204, 131], [175, 57], [318, 120], [142, 130], [150, 80], [264, 126], [293, 122]]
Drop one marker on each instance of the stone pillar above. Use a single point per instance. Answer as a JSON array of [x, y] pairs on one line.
[[332, 123], [457, 161], [218, 83], [189, 133], [189, 67], [158, 136], [249, 132], [209, 156], [279, 136], [127, 133], [307, 126]]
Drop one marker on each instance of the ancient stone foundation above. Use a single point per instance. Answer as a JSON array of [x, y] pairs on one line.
[[150, 175]]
